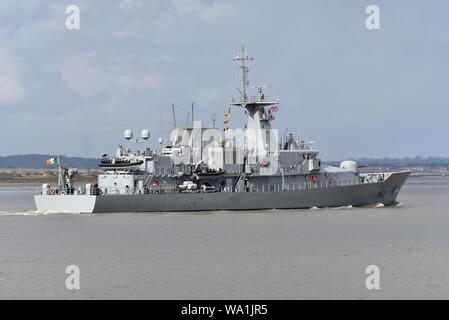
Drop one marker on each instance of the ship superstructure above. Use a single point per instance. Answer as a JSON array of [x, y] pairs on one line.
[[208, 169]]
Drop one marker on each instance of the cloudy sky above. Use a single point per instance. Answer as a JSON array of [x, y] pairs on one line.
[[356, 92]]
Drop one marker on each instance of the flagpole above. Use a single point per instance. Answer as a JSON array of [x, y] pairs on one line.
[[59, 174]]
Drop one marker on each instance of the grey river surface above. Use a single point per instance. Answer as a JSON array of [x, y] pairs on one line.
[[274, 254]]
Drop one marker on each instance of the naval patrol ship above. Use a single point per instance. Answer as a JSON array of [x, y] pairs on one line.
[[203, 169]]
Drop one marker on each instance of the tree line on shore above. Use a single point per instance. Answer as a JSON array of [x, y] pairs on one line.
[[406, 162], [38, 161]]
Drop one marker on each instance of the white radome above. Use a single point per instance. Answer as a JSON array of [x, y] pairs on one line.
[[349, 165], [145, 134], [128, 134]]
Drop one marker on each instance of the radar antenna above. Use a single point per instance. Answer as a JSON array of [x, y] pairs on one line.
[[260, 90], [241, 60]]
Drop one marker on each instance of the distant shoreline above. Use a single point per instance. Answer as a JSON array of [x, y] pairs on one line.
[[39, 176], [40, 181]]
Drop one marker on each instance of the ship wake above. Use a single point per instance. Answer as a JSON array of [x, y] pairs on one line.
[[343, 208], [28, 213]]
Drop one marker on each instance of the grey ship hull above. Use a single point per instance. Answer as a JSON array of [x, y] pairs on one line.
[[356, 195]]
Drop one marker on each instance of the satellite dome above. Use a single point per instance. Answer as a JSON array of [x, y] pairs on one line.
[[128, 134], [145, 134]]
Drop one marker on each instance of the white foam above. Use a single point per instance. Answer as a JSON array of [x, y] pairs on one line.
[[27, 213], [342, 208]]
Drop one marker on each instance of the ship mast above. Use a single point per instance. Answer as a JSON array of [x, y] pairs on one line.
[[241, 60], [258, 118]]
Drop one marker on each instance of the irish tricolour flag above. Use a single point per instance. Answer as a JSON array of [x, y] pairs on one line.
[[52, 160]]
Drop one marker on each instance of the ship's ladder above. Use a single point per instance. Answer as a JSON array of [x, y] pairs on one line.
[[240, 183], [147, 180]]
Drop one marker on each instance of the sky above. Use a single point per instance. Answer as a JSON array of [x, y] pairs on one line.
[[355, 92]]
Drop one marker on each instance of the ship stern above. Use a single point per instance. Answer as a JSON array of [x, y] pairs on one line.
[[65, 203]]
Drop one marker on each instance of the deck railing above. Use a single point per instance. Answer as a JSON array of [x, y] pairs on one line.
[[255, 99], [173, 189], [302, 185]]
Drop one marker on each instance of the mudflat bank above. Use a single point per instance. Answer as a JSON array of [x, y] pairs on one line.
[[13, 175]]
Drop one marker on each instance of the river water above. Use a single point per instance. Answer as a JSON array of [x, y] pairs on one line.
[[273, 254]]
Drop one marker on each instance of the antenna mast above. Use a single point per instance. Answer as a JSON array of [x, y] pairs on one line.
[[193, 116], [241, 60], [174, 116]]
